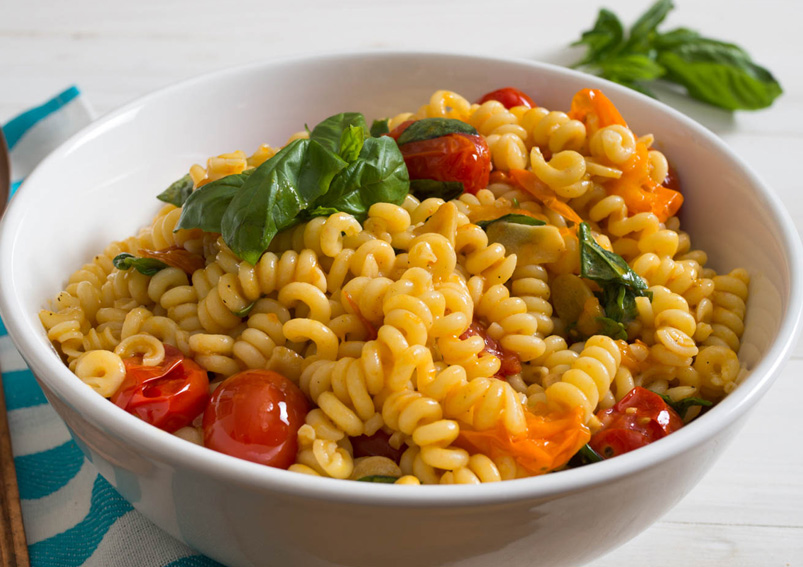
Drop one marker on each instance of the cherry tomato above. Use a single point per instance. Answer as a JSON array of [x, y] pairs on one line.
[[510, 362], [638, 419], [178, 257], [255, 415], [169, 395], [376, 445], [509, 97], [454, 157]]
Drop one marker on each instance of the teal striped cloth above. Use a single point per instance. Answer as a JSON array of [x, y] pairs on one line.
[[72, 516]]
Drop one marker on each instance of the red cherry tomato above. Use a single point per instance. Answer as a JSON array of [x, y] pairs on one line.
[[255, 415], [376, 445], [510, 362], [169, 395], [454, 157], [638, 419], [509, 97]]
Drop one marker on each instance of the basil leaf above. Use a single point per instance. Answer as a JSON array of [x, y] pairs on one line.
[[603, 266], [145, 266], [642, 31], [514, 218], [426, 188], [322, 211], [329, 133], [605, 37], [585, 456], [178, 191], [205, 206], [612, 328], [245, 310], [718, 74], [380, 128], [684, 405], [274, 195], [351, 142], [378, 176], [381, 478], [629, 68], [428, 128]]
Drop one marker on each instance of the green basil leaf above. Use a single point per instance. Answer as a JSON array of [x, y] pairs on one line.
[[380, 128], [351, 142], [381, 478], [145, 266], [684, 36], [322, 211], [378, 176], [245, 310], [205, 206], [720, 75], [585, 456], [514, 218], [426, 188], [329, 133], [428, 128], [611, 328], [605, 37], [603, 266], [178, 191], [628, 68], [684, 405], [275, 194], [642, 31]]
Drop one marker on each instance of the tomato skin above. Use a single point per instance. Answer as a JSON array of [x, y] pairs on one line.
[[510, 363], [376, 445], [454, 157], [168, 396], [509, 97], [255, 415], [638, 419]]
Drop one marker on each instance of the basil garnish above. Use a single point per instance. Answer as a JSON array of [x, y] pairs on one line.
[[585, 456], [380, 128], [178, 191], [428, 128], [145, 266], [514, 218], [339, 168], [620, 284], [715, 72], [683, 406]]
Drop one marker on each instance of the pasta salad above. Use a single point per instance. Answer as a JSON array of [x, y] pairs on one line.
[[468, 293]]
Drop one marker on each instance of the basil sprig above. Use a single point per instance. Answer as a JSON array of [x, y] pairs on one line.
[[718, 73], [619, 283], [145, 266], [340, 167]]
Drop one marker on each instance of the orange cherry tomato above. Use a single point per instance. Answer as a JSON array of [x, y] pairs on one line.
[[177, 257], [255, 415], [509, 97], [548, 444], [454, 157], [168, 396], [595, 110], [636, 420]]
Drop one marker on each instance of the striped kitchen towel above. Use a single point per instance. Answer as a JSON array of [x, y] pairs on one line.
[[72, 516]]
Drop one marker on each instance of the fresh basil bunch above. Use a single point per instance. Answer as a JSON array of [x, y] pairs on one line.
[[715, 72], [339, 168]]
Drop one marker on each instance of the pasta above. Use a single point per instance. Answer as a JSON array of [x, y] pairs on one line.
[[431, 336]]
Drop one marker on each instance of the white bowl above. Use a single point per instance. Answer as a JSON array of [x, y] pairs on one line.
[[100, 186]]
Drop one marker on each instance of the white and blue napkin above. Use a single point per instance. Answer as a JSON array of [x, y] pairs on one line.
[[72, 516]]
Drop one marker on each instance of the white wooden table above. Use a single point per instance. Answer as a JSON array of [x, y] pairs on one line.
[[748, 511]]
